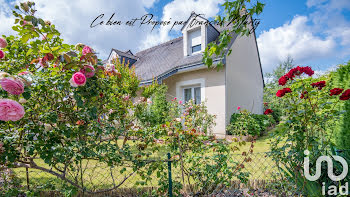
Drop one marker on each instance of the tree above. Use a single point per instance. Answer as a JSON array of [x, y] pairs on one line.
[[271, 87], [238, 13]]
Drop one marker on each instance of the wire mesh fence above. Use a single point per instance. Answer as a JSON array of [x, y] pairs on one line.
[[124, 180]]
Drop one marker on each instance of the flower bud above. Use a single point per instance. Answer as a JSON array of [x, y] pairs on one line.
[[22, 100], [47, 23]]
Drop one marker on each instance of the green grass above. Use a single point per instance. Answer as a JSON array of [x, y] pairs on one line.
[[98, 176]]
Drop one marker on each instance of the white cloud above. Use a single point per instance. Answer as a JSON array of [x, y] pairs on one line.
[[73, 19], [6, 18], [180, 10], [295, 39], [322, 36], [311, 3], [149, 3]]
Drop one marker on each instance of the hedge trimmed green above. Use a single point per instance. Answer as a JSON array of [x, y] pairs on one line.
[[256, 123]]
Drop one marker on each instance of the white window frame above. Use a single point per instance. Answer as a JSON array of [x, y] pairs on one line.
[[200, 45], [190, 40], [181, 85], [192, 92]]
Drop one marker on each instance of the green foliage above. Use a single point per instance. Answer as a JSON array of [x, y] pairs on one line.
[[304, 127], [253, 124], [238, 13], [155, 111], [67, 126], [271, 87], [341, 78]]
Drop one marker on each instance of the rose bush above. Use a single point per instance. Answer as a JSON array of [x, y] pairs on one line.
[[310, 110]]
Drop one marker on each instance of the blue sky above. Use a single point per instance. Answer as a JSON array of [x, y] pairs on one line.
[[312, 32]]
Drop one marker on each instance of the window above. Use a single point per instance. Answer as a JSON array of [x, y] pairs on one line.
[[196, 48], [193, 93], [194, 41]]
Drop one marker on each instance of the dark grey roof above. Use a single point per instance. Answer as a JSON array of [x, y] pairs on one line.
[[166, 59], [157, 60], [127, 56], [160, 59]]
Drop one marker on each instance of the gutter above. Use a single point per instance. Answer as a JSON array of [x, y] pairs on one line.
[[178, 69]]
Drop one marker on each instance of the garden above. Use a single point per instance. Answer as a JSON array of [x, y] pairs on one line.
[[71, 126]]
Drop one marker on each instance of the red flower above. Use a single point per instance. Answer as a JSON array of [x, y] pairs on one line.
[[307, 70], [287, 90], [304, 95], [268, 111], [335, 91], [283, 80], [320, 84], [295, 72], [281, 93], [345, 96]]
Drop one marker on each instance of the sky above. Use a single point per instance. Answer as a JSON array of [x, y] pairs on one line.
[[313, 32]]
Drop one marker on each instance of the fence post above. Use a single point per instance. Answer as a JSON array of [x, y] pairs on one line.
[[27, 176], [170, 189]]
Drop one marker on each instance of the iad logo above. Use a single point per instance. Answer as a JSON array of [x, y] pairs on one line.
[[331, 175], [329, 164]]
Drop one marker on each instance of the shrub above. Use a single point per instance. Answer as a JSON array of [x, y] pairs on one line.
[[311, 107], [156, 110], [341, 78], [255, 124]]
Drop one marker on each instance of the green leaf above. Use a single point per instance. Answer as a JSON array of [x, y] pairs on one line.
[[42, 22], [25, 38], [26, 95], [28, 18], [35, 21]]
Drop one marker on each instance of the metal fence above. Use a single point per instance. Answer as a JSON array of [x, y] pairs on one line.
[[102, 179]]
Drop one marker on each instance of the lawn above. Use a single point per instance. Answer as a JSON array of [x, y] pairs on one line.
[[100, 176]]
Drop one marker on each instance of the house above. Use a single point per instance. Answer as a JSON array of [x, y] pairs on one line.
[[178, 64]]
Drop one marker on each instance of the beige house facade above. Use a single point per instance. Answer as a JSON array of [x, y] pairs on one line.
[[178, 64]]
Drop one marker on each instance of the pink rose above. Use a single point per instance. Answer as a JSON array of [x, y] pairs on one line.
[[10, 110], [2, 54], [110, 68], [88, 71], [24, 23], [238, 108], [12, 86], [126, 97], [87, 50], [78, 79], [3, 43], [180, 102]]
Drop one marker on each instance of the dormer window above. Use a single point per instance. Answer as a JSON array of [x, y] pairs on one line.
[[196, 48], [194, 40], [197, 34]]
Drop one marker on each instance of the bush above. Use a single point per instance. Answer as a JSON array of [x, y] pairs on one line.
[[341, 78], [255, 124], [156, 110]]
